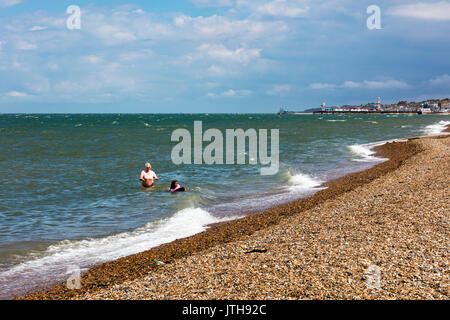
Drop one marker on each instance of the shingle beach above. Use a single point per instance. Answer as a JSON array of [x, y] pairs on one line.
[[382, 233]]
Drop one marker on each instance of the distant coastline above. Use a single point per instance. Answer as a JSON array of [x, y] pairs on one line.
[[431, 106], [362, 112]]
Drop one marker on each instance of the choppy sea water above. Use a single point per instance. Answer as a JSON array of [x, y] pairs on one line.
[[70, 194]]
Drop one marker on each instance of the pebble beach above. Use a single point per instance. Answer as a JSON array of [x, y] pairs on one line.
[[382, 233]]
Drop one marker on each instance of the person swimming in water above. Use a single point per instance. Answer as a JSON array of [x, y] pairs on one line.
[[175, 187], [147, 176]]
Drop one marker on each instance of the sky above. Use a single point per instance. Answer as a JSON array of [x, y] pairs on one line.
[[236, 56]]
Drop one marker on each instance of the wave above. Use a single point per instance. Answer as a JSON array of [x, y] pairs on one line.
[[436, 128], [304, 183], [291, 187], [50, 266], [365, 152]]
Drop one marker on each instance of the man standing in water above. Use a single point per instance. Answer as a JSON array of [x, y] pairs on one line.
[[147, 176]]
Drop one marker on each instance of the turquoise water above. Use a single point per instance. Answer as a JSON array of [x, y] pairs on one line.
[[70, 193]]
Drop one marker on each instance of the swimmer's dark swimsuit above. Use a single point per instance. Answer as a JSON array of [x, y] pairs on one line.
[[179, 189]]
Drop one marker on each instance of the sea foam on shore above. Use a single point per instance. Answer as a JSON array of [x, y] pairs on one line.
[[365, 152], [304, 183], [51, 266], [436, 128]]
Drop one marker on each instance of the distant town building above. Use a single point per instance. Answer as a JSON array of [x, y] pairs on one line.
[[445, 107]]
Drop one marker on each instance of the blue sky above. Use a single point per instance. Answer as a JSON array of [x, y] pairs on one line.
[[219, 55]]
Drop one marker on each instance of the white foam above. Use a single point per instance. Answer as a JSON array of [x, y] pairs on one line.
[[53, 263], [304, 183], [365, 152], [436, 128]]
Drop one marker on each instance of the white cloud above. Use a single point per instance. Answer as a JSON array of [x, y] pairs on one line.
[[220, 52], [92, 59], [24, 45], [384, 84], [113, 34], [15, 64], [230, 94], [319, 85], [366, 84], [351, 84], [219, 27], [38, 84], [279, 89], [125, 36], [136, 55], [282, 8], [48, 20], [212, 3], [68, 86], [122, 25], [37, 28], [432, 11], [9, 3], [212, 84], [110, 80], [16, 94], [53, 66], [218, 71], [443, 80], [84, 68]]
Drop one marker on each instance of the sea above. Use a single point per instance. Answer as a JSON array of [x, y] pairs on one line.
[[70, 194]]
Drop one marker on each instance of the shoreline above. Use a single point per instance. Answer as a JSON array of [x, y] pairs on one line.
[[136, 266]]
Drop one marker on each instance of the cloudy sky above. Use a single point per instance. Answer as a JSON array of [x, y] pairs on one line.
[[219, 55]]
